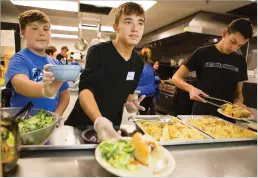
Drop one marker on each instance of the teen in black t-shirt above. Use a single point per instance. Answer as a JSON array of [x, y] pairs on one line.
[[220, 70], [106, 77], [111, 75]]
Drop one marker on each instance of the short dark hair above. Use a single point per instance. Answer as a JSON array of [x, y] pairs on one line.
[[31, 16], [128, 8], [243, 26], [50, 50], [154, 61], [65, 48]]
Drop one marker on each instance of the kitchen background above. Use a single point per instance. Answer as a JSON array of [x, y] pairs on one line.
[[173, 30]]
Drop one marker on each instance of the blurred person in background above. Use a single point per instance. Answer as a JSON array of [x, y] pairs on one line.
[[62, 56], [146, 85], [157, 81], [51, 51]]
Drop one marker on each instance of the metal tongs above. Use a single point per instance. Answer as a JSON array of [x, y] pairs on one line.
[[26, 108], [166, 119], [217, 99]]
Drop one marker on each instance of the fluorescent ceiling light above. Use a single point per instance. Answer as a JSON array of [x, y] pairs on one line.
[[64, 28], [94, 27], [145, 4], [64, 36], [55, 5]]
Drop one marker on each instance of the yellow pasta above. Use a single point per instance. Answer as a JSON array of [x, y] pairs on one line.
[[220, 129], [170, 132]]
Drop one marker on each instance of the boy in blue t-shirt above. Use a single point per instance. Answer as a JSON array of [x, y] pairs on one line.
[[26, 76]]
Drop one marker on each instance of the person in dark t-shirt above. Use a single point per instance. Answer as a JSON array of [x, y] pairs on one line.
[[111, 75], [219, 68], [62, 56]]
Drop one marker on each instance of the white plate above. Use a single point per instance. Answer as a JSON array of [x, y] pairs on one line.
[[248, 118], [143, 171]]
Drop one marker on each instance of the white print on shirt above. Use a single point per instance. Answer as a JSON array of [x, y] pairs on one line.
[[37, 74], [219, 65]]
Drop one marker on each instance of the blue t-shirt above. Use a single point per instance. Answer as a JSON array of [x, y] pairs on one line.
[[146, 84], [76, 63], [28, 63]]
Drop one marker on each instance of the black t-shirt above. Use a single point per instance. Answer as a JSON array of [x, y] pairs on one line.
[[217, 75], [106, 75], [61, 58]]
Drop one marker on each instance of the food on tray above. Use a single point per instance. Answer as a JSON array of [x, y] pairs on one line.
[[218, 128], [235, 110], [40, 120], [129, 154], [170, 131]]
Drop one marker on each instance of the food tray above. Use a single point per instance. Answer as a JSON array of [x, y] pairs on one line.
[[185, 119], [150, 118]]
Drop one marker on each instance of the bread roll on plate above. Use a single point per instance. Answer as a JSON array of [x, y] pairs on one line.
[[241, 113], [146, 150]]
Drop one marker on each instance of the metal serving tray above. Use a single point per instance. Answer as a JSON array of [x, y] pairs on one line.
[[178, 142], [185, 118]]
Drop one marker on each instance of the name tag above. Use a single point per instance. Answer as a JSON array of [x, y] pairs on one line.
[[130, 76]]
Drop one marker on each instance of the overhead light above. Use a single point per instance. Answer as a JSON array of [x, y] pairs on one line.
[[64, 36], [55, 5], [95, 27], [64, 28], [145, 4]]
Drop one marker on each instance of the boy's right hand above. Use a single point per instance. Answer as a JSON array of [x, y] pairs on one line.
[[195, 94], [105, 129], [50, 86]]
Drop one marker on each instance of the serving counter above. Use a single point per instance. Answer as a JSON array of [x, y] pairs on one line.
[[216, 159], [192, 160]]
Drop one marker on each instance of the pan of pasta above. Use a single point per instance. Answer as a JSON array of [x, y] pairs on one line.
[[218, 128], [175, 132]]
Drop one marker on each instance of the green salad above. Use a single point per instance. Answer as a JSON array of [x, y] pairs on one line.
[[40, 120], [119, 154]]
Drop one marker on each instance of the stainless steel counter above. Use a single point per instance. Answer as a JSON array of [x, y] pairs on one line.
[[219, 159]]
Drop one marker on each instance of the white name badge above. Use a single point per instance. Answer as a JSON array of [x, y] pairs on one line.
[[130, 76]]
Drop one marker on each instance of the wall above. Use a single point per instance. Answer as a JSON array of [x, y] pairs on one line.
[[7, 44], [252, 54], [179, 46]]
